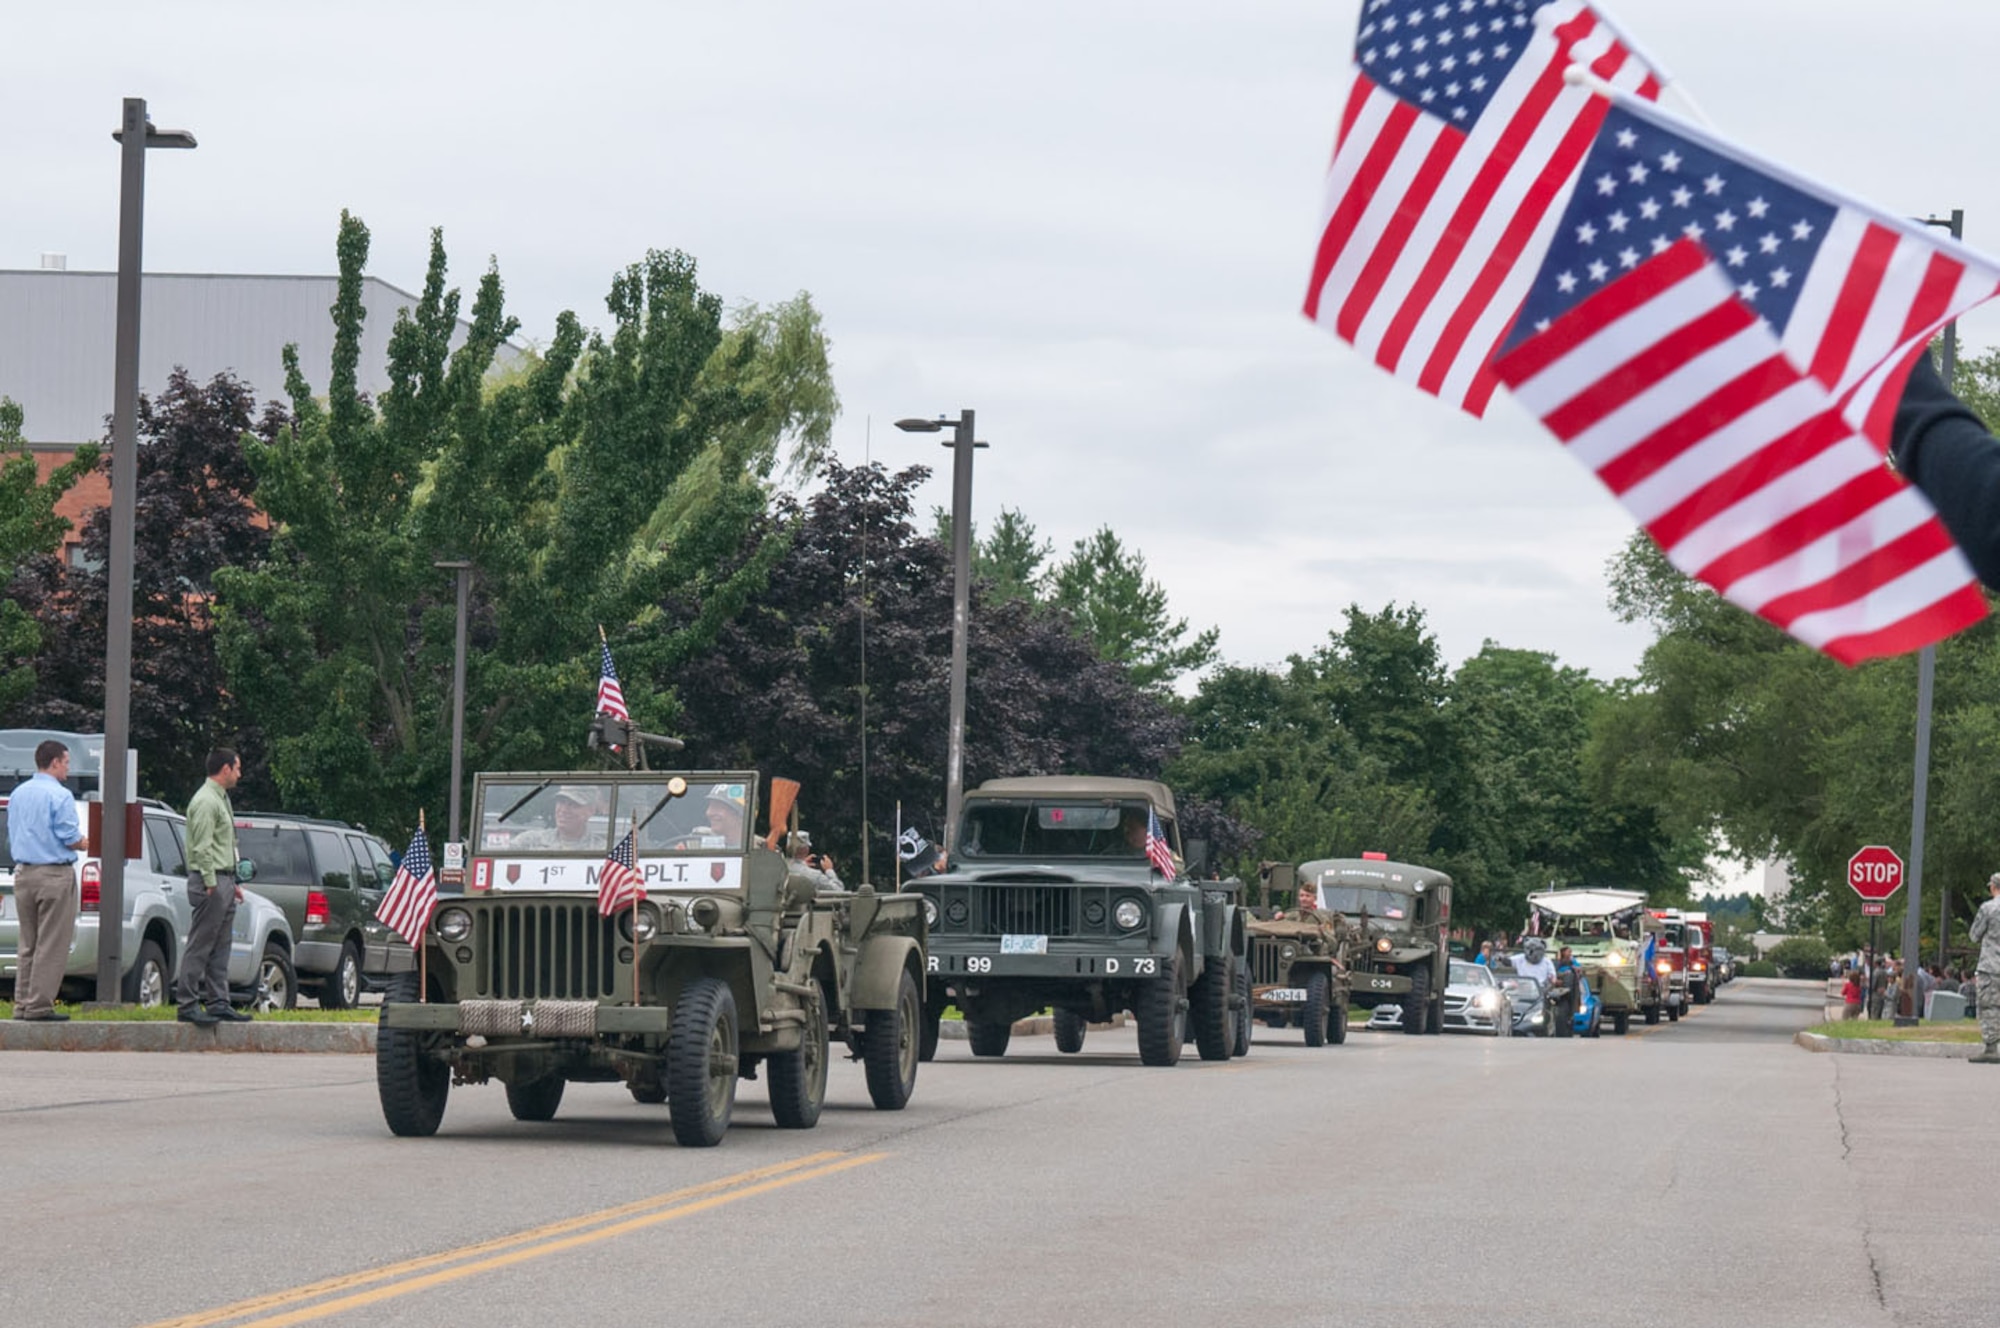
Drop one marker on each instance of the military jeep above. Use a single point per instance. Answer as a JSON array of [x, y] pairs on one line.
[[1050, 901], [1401, 912], [735, 960], [1301, 961]]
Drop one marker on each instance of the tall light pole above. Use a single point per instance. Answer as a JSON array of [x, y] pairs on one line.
[[135, 135], [464, 572], [962, 447], [1926, 674]]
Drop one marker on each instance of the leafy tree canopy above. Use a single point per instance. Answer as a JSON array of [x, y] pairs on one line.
[[29, 527]]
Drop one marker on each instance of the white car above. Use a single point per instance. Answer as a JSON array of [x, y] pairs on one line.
[[1475, 1002], [158, 916]]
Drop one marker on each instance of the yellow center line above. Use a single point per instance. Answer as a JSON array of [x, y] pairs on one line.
[[759, 1180]]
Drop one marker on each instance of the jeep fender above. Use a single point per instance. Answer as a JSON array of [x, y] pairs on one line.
[[880, 970]]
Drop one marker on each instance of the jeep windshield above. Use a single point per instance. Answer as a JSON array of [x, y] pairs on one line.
[[585, 820], [1056, 829], [1382, 905]]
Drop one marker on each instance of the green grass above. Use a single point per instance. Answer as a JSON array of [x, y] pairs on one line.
[[1953, 1030], [165, 1014]]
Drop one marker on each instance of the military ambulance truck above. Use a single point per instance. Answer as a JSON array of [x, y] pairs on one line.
[[1401, 912], [736, 961]]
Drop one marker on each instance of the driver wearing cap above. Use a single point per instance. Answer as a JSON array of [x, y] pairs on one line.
[[575, 805]]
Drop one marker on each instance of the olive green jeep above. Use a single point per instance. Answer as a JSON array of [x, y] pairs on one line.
[[1301, 961], [734, 960]]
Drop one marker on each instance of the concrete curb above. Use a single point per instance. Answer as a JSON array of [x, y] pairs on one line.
[[1942, 1051], [148, 1035], [953, 1030]]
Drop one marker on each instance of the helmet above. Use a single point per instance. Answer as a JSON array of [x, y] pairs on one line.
[[1535, 948]]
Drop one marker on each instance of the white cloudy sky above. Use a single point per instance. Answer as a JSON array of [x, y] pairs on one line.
[[1089, 221]]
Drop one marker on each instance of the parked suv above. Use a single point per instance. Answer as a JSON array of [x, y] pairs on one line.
[[328, 877]]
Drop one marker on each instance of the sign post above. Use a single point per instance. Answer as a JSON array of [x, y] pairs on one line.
[[1875, 873]]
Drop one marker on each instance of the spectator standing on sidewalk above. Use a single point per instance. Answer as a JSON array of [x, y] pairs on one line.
[[212, 889], [43, 836], [1850, 996], [1986, 932]]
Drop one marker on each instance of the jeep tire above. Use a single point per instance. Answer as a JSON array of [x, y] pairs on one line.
[[1319, 1007], [413, 1086], [1245, 1025], [798, 1077], [701, 1063], [1162, 1011], [1208, 1010], [889, 1047], [536, 1101], [1070, 1029], [988, 1036]]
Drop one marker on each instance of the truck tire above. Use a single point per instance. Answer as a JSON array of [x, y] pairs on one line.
[[1673, 1014], [701, 1063], [1162, 1014], [798, 1078], [1417, 1005], [413, 1086], [988, 1036], [1621, 1021], [1070, 1029], [536, 1101], [1209, 1011], [1652, 1013], [928, 1043], [1245, 1025], [1319, 1005], [1336, 1024], [342, 988], [889, 1046], [150, 982]]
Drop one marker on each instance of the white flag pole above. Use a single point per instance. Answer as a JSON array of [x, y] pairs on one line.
[[1645, 57]]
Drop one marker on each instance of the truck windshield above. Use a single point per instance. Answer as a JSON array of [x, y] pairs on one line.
[[1591, 929], [1379, 904], [1056, 829]]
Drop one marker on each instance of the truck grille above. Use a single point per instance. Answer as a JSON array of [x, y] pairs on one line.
[[1027, 910], [528, 951], [1265, 966]]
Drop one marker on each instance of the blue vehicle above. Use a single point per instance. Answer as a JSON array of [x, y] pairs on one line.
[[1589, 1010]]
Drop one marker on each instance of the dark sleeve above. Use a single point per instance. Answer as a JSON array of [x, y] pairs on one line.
[[1941, 446]]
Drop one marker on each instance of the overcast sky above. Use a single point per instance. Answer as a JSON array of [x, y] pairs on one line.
[[1088, 221]]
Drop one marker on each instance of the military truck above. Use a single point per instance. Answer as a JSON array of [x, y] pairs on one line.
[[1401, 912], [1050, 900], [735, 960], [1301, 962], [1613, 939]]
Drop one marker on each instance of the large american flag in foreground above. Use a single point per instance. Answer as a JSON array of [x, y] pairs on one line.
[[619, 885], [406, 909], [1724, 348], [1459, 140]]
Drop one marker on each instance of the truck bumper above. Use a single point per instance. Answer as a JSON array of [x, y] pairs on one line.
[[544, 1020], [989, 964]]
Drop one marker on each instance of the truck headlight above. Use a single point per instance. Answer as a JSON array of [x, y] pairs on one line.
[[1663, 967], [1383, 945], [1615, 959], [930, 912], [1128, 914], [454, 925]]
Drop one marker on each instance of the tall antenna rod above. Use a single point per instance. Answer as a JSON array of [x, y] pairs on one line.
[[867, 464]]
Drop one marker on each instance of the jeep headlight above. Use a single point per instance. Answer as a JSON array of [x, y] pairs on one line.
[[1383, 945], [454, 925], [638, 924], [1288, 952], [1128, 914], [930, 913]]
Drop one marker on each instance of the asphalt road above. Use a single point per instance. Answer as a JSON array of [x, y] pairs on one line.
[[1701, 1173]]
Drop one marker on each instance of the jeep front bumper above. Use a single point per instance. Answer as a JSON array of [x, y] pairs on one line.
[[546, 1019]]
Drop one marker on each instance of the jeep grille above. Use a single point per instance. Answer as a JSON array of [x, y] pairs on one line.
[[527, 951], [1265, 965]]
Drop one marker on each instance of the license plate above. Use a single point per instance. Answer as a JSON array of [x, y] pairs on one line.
[[1288, 995], [1024, 945]]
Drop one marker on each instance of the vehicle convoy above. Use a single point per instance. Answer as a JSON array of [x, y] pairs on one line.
[[157, 911], [1401, 912], [736, 960], [1050, 900], [1300, 964], [1702, 977], [1613, 939]]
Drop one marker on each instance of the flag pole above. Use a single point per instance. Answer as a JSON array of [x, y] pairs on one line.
[[1673, 124], [423, 934], [899, 846], [1667, 80], [637, 890]]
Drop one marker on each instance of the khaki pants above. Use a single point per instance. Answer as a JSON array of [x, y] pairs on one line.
[[45, 897], [1989, 1007]]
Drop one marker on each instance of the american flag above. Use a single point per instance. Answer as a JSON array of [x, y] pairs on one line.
[[1158, 851], [1724, 347], [610, 696], [1455, 152], [619, 885], [406, 909]]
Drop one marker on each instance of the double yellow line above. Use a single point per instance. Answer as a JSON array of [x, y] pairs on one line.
[[350, 1291]]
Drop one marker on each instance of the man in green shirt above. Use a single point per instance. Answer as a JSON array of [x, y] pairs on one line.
[[212, 889]]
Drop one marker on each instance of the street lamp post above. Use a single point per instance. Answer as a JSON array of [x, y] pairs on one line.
[[463, 569], [962, 446], [134, 136], [1920, 791]]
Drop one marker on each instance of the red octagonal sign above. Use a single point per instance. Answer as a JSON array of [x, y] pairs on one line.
[[1875, 872]]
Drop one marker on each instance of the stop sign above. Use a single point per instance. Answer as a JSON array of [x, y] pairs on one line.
[[1875, 872]]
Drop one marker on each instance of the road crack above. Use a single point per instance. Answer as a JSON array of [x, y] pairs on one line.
[[1847, 1160]]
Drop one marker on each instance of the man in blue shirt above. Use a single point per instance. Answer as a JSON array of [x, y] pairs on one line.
[[43, 836]]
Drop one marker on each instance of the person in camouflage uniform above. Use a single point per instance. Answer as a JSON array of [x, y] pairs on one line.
[[1986, 931]]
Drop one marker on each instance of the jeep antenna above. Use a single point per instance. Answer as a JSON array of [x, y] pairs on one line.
[[867, 461]]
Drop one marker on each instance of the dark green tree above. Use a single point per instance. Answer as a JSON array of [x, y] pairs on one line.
[[1104, 589], [29, 529]]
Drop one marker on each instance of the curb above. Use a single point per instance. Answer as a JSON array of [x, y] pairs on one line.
[[148, 1035], [953, 1030], [1940, 1051]]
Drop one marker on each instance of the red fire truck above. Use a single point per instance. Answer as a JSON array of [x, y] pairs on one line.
[[1700, 937], [1670, 961]]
